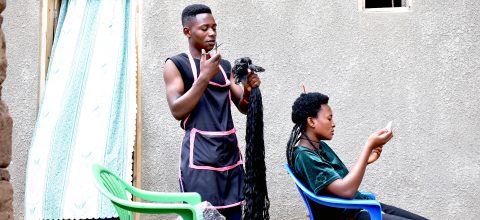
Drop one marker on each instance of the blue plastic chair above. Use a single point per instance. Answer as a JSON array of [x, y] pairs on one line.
[[372, 206]]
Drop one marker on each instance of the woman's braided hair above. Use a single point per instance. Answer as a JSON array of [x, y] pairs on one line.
[[307, 105]]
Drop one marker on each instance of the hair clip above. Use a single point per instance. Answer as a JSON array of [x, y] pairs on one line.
[[304, 90]]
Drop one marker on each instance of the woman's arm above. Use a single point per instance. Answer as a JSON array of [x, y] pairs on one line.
[[348, 186]]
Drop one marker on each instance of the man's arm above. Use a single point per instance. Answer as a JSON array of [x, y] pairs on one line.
[[237, 95], [181, 103], [240, 96]]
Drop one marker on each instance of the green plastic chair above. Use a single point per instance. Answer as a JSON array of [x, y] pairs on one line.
[[115, 189]]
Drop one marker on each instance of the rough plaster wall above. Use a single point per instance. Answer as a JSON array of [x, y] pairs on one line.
[[420, 69], [21, 27]]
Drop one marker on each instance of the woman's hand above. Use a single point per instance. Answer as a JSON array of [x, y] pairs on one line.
[[379, 138], [374, 155], [375, 143]]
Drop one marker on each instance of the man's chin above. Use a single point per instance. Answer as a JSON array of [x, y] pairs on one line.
[[209, 47]]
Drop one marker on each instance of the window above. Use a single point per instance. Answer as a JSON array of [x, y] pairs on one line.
[[384, 5], [50, 9]]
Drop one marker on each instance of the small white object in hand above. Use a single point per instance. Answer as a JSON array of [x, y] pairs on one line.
[[389, 126]]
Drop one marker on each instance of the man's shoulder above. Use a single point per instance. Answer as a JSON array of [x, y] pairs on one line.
[[180, 60], [178, 57], [226, 63]]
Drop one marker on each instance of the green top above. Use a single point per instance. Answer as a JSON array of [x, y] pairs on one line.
[[317, 169]]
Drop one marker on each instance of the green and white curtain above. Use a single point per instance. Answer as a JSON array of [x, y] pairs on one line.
[[88, 112]]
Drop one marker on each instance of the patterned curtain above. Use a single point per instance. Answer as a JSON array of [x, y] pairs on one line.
[[88, 112]]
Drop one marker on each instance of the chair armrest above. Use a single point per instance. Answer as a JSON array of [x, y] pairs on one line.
[[191, 198], [155, 208], [372, 206], [345, 203], [369, 194]]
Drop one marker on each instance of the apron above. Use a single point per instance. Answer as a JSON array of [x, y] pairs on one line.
[[210, 160]]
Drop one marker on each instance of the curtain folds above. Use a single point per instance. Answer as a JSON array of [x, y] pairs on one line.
[[88, 112]]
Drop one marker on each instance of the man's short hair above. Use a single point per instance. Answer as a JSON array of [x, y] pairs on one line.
[[191, 11]]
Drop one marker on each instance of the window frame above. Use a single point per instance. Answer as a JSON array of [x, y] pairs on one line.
[[407, 8]]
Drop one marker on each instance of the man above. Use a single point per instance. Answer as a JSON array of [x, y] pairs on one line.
[[200, 89]]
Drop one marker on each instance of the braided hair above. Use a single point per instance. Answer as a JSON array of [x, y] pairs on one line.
[[307, 105], [255, 189]]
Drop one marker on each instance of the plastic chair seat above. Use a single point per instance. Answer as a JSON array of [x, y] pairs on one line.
[[372, 206], [115, 189]]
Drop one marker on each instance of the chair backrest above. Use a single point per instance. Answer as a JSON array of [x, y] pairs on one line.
[[372, 206], [113, 187], [301, 189], [187, 205]]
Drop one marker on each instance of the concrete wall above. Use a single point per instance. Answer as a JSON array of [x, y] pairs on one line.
[[6, 126], [420, 69], [21, 25]]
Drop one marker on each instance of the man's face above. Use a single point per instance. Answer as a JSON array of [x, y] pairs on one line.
[[202, 31]]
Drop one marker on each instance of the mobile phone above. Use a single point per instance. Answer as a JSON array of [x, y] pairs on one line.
[[389, 126]]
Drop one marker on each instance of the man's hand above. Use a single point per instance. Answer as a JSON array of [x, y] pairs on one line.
[[209, 66], [253, 81]]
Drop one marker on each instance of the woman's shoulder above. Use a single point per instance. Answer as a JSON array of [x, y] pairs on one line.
[[300, 148], [306, 157], [325, 147], [302, 153], [329, 152], [324, 144]]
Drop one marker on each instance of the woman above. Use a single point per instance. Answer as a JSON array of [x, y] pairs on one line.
[[320, 169]]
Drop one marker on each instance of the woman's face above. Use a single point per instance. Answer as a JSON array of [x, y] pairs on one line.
[[323, 126]]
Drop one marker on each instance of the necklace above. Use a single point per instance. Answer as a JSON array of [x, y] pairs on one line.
[[310, 141], [315, 148]]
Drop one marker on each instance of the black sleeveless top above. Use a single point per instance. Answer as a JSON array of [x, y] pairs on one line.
[[210, 158], [218, 102]]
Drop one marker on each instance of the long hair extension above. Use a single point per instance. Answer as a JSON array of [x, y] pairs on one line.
[[255, 187]]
